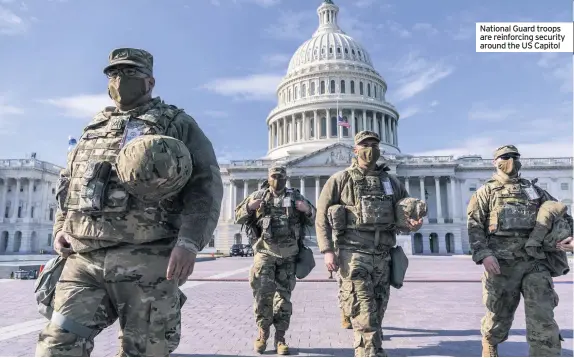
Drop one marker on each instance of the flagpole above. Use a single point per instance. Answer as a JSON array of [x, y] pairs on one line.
[[340, 128]]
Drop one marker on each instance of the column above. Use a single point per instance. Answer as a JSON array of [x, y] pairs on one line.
[[439, 218], [29, 200], [352, 130], [364, 120], [3, 201], [302, 185], [384, 131], [453, 209], [245, 188], [292, 129], [457, 245], [317, 125], [328, 123], [396, 132], [339, 128], [270, 136], [231, 199], [16, 203], [317, 189], [288, 183], [376, 123], [305, 124], [422, 187], [407, 185]]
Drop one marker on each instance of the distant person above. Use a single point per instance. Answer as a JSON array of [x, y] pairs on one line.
[[358, 203], [139, 198], [281, 215], [501, 215]]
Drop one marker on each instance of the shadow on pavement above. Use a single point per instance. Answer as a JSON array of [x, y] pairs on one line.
[[566, 333]]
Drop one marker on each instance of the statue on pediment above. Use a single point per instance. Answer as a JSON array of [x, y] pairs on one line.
[[339, 156]]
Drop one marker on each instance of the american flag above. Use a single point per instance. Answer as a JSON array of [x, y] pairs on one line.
[[342, 121]]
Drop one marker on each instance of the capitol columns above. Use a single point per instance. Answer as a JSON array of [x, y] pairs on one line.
[[422, 187], [317, 189], [245, 188], [232, 203], [453, 208], [3, 200], [384, 131], [302, 185], [29, 199], [16, 200], [352, 122], [439, 217], [407, 185], [364, 120], [317, 125]]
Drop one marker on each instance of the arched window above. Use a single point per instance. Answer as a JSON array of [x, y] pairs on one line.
[[342, 86], [352, 87], [333, 126], [322, 87], [323, 127], [369, 89], [375, 88], [289, 95], [303, 90], [312, 89], [296, 92], [332, 86], [361, 92]]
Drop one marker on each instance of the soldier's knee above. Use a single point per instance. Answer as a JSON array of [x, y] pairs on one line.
[[54, 341]]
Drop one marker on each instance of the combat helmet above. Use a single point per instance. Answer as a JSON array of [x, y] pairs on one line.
[[154, 167], [409, 208]]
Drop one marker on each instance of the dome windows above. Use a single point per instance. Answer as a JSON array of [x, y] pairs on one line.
[[352, 87], [369, 89], [332, 89], [322, 87], [342, 86], [361, 92]]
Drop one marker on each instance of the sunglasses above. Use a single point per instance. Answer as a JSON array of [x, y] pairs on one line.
[[509, 156]]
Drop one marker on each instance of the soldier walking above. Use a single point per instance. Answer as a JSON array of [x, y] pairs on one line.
[[501, 215], [134, 210], [281, 216], [358, 203]]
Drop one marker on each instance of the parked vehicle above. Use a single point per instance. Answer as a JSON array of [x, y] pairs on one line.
[[241, 250]]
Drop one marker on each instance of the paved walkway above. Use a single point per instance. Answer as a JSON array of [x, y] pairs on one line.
[[431, 315]]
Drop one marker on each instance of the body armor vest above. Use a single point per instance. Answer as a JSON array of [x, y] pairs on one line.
[[97, 205], [278, 218], [514, 209], [374, 205]]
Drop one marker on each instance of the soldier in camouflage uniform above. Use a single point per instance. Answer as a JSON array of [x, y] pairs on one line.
[[134, 210], [501, 216], [358, 204], [281, 215]]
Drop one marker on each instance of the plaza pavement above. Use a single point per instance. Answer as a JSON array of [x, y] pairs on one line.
[[432, 315]]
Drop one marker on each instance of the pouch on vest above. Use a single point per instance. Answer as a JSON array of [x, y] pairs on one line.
[[62, 192], [337, 215], [96, 177], [266, 228], [304, 263], [399, 265], [45, 285]]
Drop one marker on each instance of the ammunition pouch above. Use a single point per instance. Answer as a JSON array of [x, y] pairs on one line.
[[95, 182], [337, 216], [399, 265], [375, 210], [62, 192]]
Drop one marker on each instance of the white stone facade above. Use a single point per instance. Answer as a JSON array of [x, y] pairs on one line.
[[331, 72], [27, 205]]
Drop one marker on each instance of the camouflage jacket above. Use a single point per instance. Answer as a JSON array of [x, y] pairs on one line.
[[481, 205], [193, 213], [273, 218], [339, 190]]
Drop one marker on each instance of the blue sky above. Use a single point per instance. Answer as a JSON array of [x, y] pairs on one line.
[[222, 60]]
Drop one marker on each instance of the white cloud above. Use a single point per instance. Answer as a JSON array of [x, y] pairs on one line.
[[426, 28], [418, 74], [216, 114], [364, 3], [434, 103], [409, 112], [261, 87], [481, 112], [293, 26], [558, 68], [276, 60], [81, 106], [10, 23], [396, 28]]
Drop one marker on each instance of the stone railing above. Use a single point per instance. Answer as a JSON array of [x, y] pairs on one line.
[[29, 164], [526, 162], [330, 97]]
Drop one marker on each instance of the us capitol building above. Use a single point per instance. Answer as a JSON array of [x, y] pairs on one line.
[[329, 71]]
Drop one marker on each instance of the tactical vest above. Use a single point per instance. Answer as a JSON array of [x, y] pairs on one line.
[[278, 223], [374, 202], [514, 207], [97, 205]]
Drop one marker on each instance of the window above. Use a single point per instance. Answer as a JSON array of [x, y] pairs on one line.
[[20, 211], [312, 128], [544, 186], [338, 50], [472, 188], [212, 241], [32, 212], [296, 93], [49, 242], [323, 51], [312, 89], [322, 87], [333, 126], [369, 89], [353, 52], [342, 86], [564, 186], [303, 90], [323, 127], [289, 99], [352, 87], [332, 89], [51, 215], [330, 50], [375, 88], [346, 51], [361, 88]]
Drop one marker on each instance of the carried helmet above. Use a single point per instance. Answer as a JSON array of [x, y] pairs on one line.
[[409, 208], [154, 167]]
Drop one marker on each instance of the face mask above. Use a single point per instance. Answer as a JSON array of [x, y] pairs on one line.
[[509, 167], [369, 155], [127, 90], [277, 184]]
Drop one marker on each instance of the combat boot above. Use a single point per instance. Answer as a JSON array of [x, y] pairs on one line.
[[346, 321], [261, 341], [489, 350], [280, 345]]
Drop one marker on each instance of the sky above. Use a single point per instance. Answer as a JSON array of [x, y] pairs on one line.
[[221, 61]]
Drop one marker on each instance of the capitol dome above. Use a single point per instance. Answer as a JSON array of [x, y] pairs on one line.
[[331, 91]]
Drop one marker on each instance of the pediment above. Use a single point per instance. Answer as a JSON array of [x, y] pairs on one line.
[[335, 155]]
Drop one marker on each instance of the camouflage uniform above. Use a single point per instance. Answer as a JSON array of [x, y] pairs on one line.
[[363, 224], [272, 277], [122, 243], [501, 215]]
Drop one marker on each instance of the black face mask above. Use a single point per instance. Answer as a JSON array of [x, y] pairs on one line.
[[277, 184]]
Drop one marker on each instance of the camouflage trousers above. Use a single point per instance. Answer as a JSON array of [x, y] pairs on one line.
[[127, 282], [365, 290], [272, 281], [501, 296]]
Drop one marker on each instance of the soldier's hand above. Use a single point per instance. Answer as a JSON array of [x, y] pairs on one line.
[[415, 225], [566, 245], [491, 265], [62, 244], [302, 206], [181, 264], [254, 205], [331, 261]]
